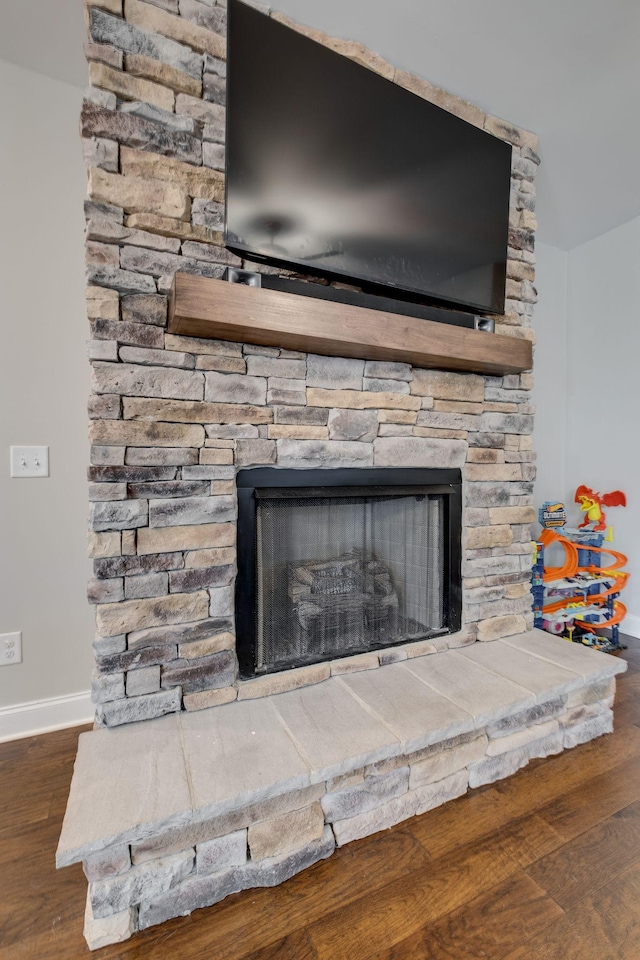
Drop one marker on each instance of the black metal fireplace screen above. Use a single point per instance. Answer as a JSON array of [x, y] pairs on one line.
[[337, 562]]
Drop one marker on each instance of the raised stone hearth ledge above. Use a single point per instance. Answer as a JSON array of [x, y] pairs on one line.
[[176, 813]]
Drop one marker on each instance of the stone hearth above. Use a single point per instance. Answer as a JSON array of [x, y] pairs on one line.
[[177, 813]]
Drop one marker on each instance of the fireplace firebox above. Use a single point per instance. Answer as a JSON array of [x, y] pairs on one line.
[[337, 562]]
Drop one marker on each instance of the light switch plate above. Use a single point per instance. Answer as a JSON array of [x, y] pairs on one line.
[[29, 461]]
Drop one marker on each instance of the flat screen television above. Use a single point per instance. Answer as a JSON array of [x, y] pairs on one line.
[[336, 172]]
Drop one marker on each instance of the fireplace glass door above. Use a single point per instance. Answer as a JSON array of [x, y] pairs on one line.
[[338, 570]]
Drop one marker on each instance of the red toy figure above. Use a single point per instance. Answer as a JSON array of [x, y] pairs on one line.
[[591, 503]]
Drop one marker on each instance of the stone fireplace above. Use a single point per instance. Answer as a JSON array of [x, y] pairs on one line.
[[285, 537], [167, 636], [174, 418]]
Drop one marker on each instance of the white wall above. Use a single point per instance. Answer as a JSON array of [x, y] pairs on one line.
[[550, 370], [43, 389], [603, 385], [588, 384]]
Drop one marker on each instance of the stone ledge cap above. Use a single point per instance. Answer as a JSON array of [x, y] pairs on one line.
[[132, 783]]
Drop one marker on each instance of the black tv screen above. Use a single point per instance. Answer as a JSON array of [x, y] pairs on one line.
[[334, 171]]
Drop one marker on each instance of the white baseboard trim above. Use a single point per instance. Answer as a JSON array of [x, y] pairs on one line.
[[42, 716], [631, 625]]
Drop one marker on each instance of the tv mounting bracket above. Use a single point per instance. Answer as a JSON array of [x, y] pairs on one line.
[[249, 278]]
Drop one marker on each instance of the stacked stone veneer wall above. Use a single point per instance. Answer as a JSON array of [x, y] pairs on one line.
[[172, 418], [142, 880]]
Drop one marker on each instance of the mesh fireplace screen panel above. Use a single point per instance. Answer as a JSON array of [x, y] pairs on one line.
[[339, 575]]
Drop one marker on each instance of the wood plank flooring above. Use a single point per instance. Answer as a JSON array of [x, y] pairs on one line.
[[543, 866]]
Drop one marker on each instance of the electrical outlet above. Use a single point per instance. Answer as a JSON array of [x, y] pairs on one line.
[[29, 461], [10, 648]]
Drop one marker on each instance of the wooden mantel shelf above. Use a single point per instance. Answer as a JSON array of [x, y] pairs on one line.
[[201, 307]]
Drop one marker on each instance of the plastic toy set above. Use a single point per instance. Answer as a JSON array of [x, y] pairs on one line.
[[580, 599]]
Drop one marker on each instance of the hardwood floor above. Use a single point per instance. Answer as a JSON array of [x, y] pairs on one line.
[[543, 866]]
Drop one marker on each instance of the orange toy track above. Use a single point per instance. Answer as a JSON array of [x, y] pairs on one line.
[[620, 612], [571, 569], [618, 616]]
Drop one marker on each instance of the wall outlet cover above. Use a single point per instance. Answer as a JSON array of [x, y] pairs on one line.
[[29, 461], [10, 648]]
